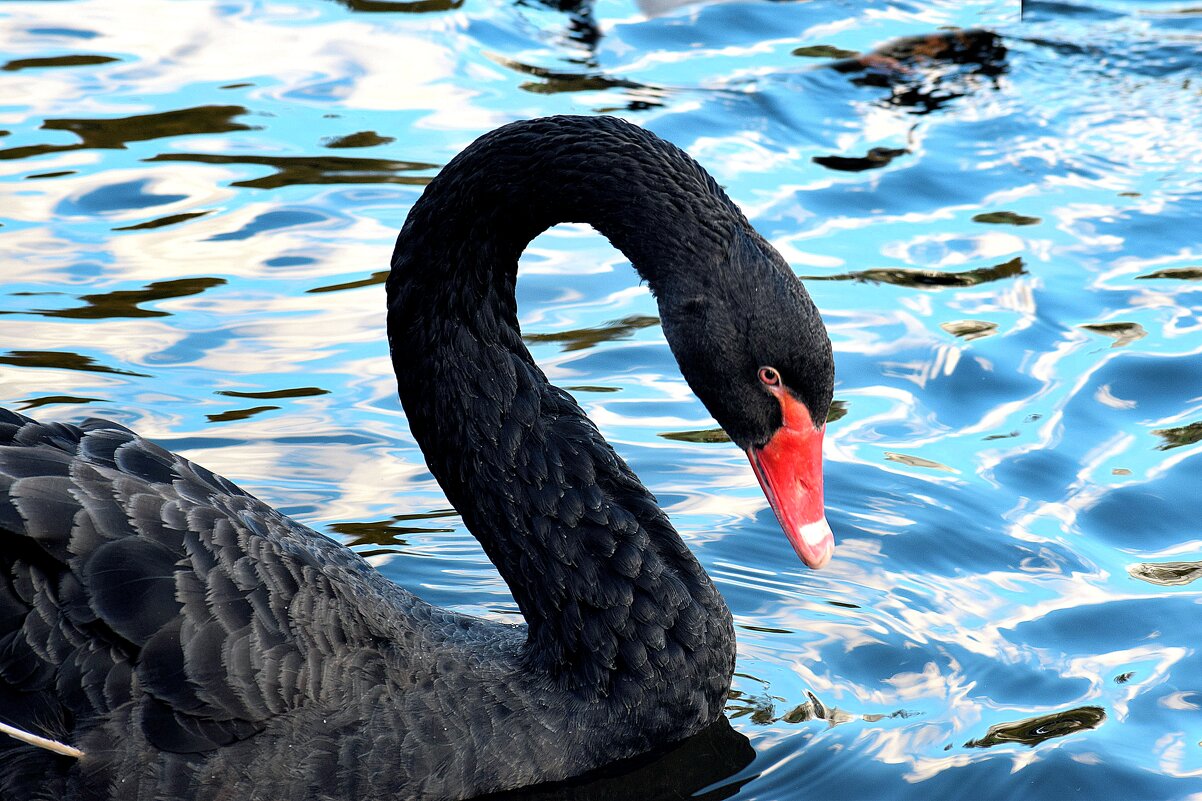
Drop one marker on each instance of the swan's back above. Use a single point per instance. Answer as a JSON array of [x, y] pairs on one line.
[[186, 628]]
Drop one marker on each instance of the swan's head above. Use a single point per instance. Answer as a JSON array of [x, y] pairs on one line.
[[753, 347]]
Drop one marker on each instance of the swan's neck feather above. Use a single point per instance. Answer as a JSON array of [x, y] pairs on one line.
[[615, 603]]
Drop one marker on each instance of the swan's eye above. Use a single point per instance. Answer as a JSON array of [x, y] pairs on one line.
[[769, 376]]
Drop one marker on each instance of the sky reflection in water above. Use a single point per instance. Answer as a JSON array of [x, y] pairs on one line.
[[1000, 229]]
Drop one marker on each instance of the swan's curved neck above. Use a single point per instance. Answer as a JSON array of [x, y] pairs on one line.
[[612, 596]]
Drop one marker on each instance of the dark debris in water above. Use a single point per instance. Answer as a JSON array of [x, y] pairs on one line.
[[592, 388], [876, 158], [126, 302], [969, 329], [56, 61], [918, 461], [48, 400], [401, 6], [1121, 332], [705, 435], [378, 533], [53, 174], [1179, 437], [115, 134], [1005, 218], [360, 139], [388, 535], [761, 710], [275, 394], [378, 277], [1167, 574], [583, 338], [297, 170], [763, 629], [239, 414], [60, 360], [813, 709], [1180, 273], [1033, 731], [824, 51], [555, 82], [933, 279], [161, 222]]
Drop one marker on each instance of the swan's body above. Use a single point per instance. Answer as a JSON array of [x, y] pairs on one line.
[[194, 643]]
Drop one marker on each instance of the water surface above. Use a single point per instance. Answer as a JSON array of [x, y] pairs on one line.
[[197, 204]]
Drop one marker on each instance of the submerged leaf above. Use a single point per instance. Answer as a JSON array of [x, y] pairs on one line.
[[706, 435], [918, 461], [1182, 273], [969, 329], [1167, 574], [1178, 437], [1033, 731], [934, 279], [1122, 333], [1005, 218]]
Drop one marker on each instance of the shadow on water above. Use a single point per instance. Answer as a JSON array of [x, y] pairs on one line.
[[681, 771], [1033, 731]]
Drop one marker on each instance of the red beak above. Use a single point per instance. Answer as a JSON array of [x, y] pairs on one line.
[[789, 469]]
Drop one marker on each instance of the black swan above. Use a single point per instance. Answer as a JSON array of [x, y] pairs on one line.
[[167, 635]]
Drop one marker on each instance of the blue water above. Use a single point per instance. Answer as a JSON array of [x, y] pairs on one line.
[[1004, 241]]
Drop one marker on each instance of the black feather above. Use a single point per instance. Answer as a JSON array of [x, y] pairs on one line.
[[197, 644]]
